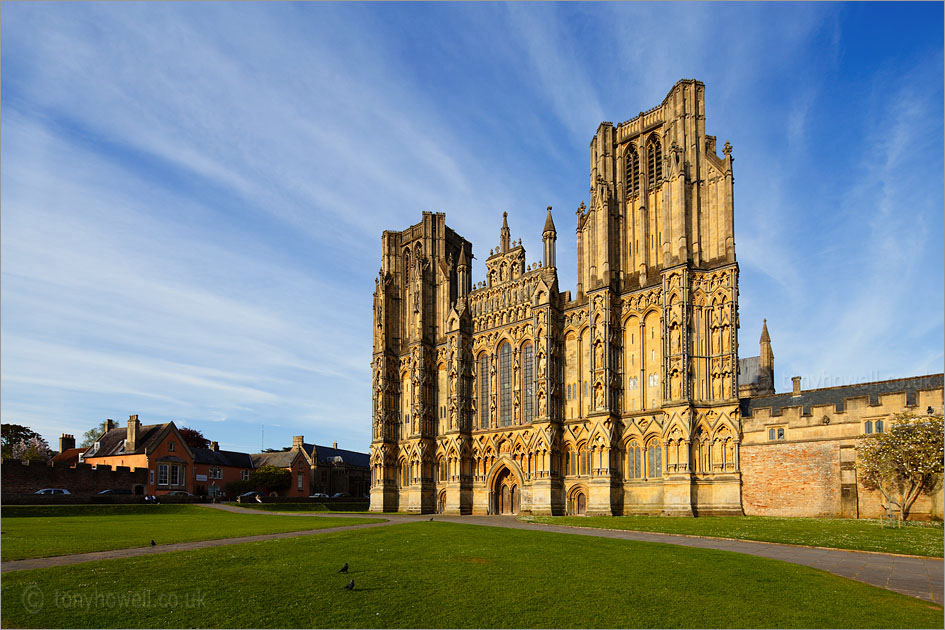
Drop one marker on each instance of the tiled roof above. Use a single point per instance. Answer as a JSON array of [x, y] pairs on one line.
[[280, 459], [70, 456], [836, 395], [222, 458], [326, 455], [749, 370], [112, 442]]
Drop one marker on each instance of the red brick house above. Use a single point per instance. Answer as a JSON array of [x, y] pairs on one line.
[[214, 469], [158, 447], [296, 462]]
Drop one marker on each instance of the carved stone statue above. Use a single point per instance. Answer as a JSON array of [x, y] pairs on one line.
[[674, 338], [675, 385]]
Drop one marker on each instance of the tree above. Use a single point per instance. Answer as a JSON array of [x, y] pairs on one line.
[[270, 478], [89, 437], [11, 434], [34, 449], [904, 461], [194, 438]]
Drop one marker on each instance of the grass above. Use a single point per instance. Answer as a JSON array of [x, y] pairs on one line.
[[40, 531], [306, 507], [916, 538], [448, 575]]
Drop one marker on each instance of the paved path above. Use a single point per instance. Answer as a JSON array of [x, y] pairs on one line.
[[913, 576]]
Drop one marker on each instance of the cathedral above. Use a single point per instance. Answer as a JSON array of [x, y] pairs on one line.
[[511, 396]]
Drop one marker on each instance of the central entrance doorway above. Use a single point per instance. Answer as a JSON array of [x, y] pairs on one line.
[[506, 493]]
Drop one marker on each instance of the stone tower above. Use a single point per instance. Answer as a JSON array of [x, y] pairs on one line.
[[512, 396]]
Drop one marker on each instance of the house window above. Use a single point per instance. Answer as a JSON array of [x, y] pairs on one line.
[[170, 446], [175, 475], [879, 426], [776, 433], [300, 481], [868, 427], [162, 474], [244, 475], [151, 476]]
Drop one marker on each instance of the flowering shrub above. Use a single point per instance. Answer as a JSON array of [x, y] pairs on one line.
[[904, 461], [34, 448]]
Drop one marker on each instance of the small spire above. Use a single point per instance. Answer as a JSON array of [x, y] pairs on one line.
[[549, 223], [462, 257], [506, 234], [765, 337]]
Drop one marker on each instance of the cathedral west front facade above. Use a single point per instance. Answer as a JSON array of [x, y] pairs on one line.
[[509, 395]]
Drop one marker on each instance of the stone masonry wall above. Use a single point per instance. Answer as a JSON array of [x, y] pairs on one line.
[[19, 477], [791, 479]]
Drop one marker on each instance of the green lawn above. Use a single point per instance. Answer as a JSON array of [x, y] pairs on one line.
[[920, 539], [447, 575], [38, 531]]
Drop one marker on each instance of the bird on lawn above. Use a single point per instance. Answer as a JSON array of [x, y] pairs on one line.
[[344, 569], [153, 544], [431, 518], [349, 586]]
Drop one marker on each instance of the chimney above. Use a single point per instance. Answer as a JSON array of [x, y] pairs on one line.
[[297, 441], [214, 446], [66, 442], [797, 385], [132, 437], [109, 425], [334, 445]]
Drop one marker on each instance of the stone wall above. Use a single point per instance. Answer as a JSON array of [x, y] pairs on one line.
[[18, 477], [791, 479]]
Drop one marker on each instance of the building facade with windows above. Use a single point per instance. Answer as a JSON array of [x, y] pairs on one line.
[[158, 447], [509, 395]]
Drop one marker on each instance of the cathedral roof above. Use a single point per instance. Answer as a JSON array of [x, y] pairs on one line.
[[837, 396]]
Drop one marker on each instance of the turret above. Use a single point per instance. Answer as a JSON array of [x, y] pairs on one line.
[[462, 273], [548, 236], [506, 234]]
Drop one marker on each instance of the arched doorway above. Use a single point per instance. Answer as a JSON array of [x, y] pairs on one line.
[[441, 503], [506, 493], [577, 502]]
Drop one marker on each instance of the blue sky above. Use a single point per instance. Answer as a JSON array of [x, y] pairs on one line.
[[193, 194]]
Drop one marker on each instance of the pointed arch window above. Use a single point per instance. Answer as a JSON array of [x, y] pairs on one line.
[[505, 384], [484, 391], [654, 162], [654, 460], [528, 382], [633, 170]]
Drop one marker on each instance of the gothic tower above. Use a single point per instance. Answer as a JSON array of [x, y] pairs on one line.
[[512, 396]]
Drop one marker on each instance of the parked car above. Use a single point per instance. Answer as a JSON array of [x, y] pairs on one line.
[[116, 491], [318, 495], [180, 493], [52, 491], [251, 494], [340, 495]]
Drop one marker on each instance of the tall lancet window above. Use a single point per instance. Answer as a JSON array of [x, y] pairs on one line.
[[528, 382], [505, 385], [484, 391], [633, 171], [654, 162]]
